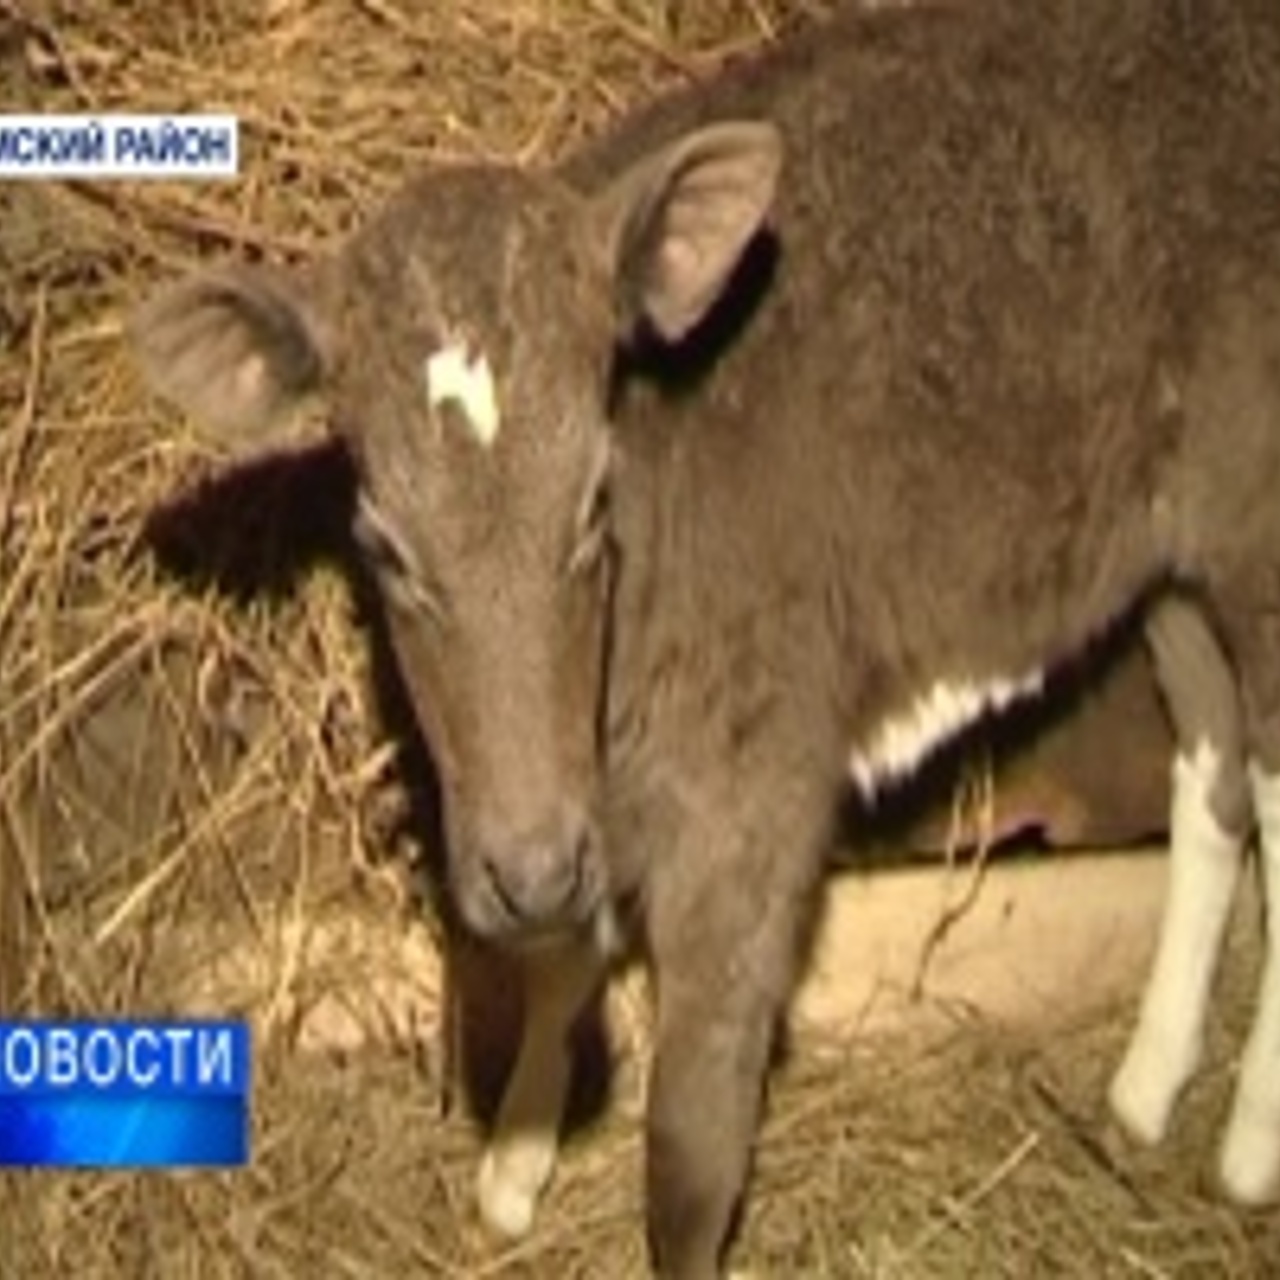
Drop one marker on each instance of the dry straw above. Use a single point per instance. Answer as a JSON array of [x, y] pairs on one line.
[[189, 760]]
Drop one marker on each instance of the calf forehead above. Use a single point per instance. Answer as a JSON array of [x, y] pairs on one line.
[[481, 253], [472, 298], [471, 375]]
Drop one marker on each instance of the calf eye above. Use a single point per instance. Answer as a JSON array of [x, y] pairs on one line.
[[593, 531], [376, 539], [402, 581], [592, 528]]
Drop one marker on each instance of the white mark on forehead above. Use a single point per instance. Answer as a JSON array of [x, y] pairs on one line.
[[454, 375]]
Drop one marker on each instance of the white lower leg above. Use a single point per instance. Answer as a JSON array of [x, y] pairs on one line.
[[1250, 1163], [521, 1154], [1167, 1043]]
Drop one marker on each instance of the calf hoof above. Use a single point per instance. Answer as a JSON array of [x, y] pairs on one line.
[[1143, 1093], [510, 1184], [1249, 1164]]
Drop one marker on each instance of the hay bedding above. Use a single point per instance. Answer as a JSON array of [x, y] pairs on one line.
[[188, 759]]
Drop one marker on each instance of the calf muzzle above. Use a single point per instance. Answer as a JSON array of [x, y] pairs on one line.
[[546, 881]]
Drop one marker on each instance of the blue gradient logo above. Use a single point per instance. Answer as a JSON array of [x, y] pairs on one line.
[[155, 1094]]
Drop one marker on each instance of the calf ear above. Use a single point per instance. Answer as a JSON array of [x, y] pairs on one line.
[[674, 225], [236, 348]]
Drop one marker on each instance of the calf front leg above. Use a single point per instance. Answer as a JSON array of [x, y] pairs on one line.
[[704, 1107], [518, 1162], [724, 932]]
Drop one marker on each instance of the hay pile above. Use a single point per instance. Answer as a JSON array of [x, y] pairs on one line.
[[194, 793]]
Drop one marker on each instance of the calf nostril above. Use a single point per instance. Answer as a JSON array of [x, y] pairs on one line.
[[507, 899], [541, 884]]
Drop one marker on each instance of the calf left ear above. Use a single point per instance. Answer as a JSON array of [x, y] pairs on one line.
[[675, 224], [238, 348]]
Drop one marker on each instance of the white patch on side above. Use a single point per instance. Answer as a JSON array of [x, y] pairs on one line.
[[903, 741], [455, 376], [1166, 1045], [1249, 1165]]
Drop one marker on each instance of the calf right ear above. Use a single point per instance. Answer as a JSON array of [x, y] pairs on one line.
[[238, 348], [673, 227]]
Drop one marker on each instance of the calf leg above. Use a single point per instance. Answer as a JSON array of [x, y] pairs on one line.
[[706, 1088], [1250, 1159], [1208, 827], [724, 928], [521, 1154], [1249, 1164]]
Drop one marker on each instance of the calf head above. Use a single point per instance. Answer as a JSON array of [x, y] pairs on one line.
[[463, 342]]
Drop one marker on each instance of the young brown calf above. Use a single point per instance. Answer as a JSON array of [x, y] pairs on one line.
[[805, 419]]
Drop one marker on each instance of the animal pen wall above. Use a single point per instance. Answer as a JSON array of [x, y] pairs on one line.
[[201, 809]]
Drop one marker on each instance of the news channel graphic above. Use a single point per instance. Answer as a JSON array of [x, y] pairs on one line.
[[119, 146], [124, 1094]]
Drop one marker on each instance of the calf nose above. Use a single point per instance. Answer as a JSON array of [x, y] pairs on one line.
[[544, 880]]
